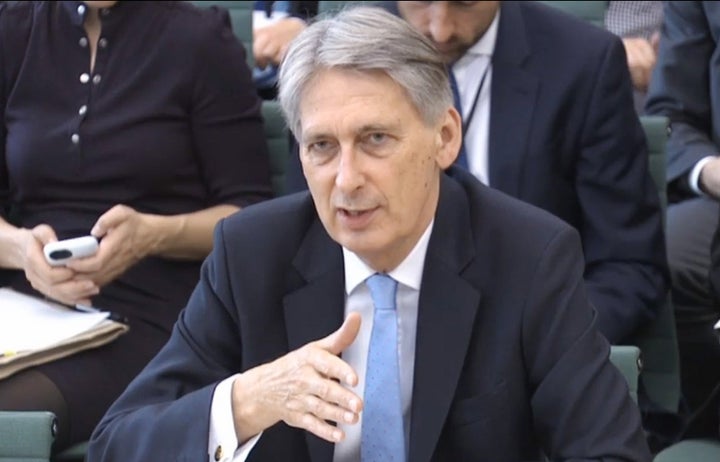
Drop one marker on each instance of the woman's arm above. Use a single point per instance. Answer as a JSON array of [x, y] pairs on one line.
[[13, 244], [185, 236]]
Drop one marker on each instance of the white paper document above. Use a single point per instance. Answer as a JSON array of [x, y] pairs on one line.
[[30, 323]]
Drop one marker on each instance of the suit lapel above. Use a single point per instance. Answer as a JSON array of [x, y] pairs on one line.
[[514, 93], [446, 313], [316, 309]]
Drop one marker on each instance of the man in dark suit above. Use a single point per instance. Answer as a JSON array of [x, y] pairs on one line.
[[551, 122], [481, 344], [684, 88]]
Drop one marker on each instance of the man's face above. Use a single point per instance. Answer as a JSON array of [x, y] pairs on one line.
[[452, 26], [372, 163]]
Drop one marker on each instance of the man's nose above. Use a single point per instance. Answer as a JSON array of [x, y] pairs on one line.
[[349, 175], [440, 22]]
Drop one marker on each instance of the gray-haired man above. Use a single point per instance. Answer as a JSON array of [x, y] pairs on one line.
[[395, 312]]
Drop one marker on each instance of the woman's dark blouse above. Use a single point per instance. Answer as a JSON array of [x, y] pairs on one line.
[[167, 123]]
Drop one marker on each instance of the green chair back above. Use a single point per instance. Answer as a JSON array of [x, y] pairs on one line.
[[278, 141], [658, 341], [26, 436], [591, 11], [656, 133], [627, 359], [241, 17]]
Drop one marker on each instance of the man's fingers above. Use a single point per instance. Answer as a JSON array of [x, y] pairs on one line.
[[332, 392], [322, 409], [316, 426]]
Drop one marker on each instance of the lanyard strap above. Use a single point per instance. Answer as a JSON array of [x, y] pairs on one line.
[[467, 120]]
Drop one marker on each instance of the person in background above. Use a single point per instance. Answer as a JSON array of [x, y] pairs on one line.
[[638, 24], [400, 310], [138, 123], [684, 88], [549, 119], [275, 25]]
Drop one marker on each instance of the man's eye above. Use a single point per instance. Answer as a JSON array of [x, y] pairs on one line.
[[320, 152], [319, 146], [377, 138]]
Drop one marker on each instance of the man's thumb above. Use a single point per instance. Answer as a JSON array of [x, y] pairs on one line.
[[344, 336]]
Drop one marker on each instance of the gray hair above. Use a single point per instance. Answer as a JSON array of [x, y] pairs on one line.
[[366, 39]]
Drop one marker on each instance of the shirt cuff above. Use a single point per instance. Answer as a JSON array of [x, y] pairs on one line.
[[694, 177], [222, 441]]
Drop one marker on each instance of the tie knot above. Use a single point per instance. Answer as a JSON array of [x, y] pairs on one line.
[[382, 290]]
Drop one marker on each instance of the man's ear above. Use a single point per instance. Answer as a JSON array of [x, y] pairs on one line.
[[449, 138]]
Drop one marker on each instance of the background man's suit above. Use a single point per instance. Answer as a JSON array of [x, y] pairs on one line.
[[684, 87], [564, 136], [507, 352]]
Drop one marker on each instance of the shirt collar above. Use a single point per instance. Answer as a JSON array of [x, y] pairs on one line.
[[408, 272], [485, 46]]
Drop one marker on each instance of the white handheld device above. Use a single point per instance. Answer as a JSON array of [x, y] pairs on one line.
[[60, 252]]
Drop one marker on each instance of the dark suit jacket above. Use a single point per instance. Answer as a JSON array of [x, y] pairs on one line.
[[564, 136], [508, 359], [684, 85]]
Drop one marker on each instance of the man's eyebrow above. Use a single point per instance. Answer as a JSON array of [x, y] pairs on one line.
[[377, 128], [310, 135]]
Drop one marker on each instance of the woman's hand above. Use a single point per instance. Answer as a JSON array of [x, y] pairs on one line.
[[126, 237], [59, 283]]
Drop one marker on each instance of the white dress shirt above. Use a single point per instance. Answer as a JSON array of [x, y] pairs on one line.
[[694, 177], [222, 441], [469, 71]]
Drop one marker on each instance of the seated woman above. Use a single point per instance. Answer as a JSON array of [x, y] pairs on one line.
[[138, 123]]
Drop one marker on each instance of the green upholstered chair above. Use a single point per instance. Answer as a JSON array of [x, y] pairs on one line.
[[627, 359], [658, 341], [278, 141], [695, 450], [656, 132], [26, 436], [241, 18], [591, 11]]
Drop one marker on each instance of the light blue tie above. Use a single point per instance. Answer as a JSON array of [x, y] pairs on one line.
[[383, 435]]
